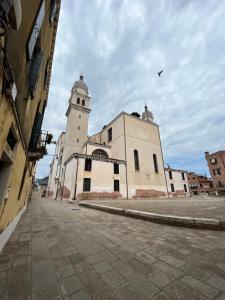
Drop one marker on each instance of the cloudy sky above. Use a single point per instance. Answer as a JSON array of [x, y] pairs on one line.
[[120, 45]]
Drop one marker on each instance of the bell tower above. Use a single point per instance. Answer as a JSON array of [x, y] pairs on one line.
[[77, 118]]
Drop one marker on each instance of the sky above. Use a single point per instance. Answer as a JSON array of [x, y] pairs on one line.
[[119, 46]]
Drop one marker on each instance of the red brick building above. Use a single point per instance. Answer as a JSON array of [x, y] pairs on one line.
[[216, 164], [199, 184]]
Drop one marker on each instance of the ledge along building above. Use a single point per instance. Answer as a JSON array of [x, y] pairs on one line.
[[123, 160]]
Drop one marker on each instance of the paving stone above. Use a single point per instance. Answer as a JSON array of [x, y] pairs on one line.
[[41, 266], [141, 266], [161, 296], [201, 287], [178, 291], [94, 258], [160, 279], [184, 251], [82, 266], [102, 267], [107, 295], [196, 272], [88, 276], [75, 258], [71, 285], [142, 285], [95, 287], [5, 262], [52, 292], [43, 279], [113, 278], [60, 261], [81, 295], [64, 271], [147, 258], [169, 269], [123, 268], [172, 261], [107, 255], [217, 282], [127, 292]]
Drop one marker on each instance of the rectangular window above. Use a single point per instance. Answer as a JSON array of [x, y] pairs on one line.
[[183, 176], [87, 185], [109, 134], [185, 188], [170, 175], [35, 30], [213, 161], [35, 69], [88, 164], [116, 185], [172, 188], [116, 168]]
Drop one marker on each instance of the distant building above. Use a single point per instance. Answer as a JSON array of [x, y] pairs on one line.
[[123, 160], [216, 164], [200, 184], [27, 40], [177, 182]]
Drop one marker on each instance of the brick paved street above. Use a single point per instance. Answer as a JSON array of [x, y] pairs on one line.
[[60, 253], [197, 206]]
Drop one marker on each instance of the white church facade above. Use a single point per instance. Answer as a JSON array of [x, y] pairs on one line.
[[123, 160]]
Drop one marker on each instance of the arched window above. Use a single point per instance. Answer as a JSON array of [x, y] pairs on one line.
[[136, 161], [83, 102], [78, 100], [100, 153], [155, 163]]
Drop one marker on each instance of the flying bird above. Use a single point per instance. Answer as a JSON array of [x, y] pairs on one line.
[[159, 73]]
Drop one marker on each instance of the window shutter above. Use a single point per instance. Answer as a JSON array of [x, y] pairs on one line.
[[36, 131], [34, 72]]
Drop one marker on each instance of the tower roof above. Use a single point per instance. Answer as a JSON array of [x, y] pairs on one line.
[[80, 84]]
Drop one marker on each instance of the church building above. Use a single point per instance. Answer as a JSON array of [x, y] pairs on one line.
[[123, 160]]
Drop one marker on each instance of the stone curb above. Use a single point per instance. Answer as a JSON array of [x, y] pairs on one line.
[[202, 223]]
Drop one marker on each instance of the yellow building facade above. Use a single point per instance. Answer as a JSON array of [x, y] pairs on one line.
[[27, 40]]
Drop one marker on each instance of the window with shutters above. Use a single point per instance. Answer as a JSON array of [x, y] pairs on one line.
[[53, 10], [87, 185], [36, 130], [35, 69], [32, 41], [116, 185]]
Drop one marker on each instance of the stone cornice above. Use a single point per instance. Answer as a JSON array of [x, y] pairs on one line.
[[84, 156], [82, 108]]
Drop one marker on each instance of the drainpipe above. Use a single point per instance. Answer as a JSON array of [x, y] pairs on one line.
[[125, 147], [75, 190]]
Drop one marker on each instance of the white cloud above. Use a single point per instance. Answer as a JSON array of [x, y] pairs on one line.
[[121, 45]]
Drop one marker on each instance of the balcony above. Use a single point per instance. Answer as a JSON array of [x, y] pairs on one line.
[[37, 147]]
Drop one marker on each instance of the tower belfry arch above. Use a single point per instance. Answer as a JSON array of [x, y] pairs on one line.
[[77, 118]]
